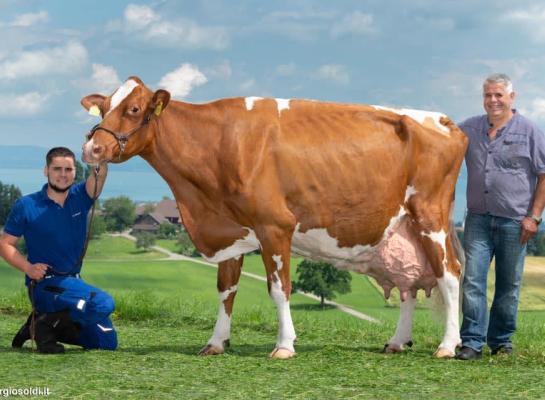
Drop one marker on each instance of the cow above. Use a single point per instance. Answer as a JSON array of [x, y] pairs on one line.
[[366, 188]]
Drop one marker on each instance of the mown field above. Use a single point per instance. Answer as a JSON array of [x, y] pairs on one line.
[[166, 311]]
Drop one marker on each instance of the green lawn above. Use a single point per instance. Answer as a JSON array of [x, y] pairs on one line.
[[166, 313]]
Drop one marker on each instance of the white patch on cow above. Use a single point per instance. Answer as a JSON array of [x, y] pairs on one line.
[[222, 329], [449, 287], [278, 261], [250, 102], [409, 192], [420, 116], [440, 238], [225, 294], [121, 93], [404, 330], [317, 243], [286, 331], [282, 104], [239, 247]]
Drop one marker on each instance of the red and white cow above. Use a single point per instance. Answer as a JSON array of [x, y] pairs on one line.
[[366, 188]]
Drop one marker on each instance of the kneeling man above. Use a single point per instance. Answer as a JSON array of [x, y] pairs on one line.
[[53, 223]]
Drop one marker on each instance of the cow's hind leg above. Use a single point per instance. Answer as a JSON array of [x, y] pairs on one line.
[[404, 330], [435, 232], [228, 277]]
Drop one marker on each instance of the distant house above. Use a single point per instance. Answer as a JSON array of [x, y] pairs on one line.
[[150, 216], [168, 209]]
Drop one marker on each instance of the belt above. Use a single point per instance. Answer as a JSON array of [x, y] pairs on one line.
[[49, 276]]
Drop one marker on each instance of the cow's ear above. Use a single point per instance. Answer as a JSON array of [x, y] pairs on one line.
[[160, 101], [93, 103]]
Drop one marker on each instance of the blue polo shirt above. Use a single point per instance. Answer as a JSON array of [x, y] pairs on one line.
[[502, 172], [54, 235]]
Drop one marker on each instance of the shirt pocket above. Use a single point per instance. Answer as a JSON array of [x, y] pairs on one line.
[[514, 156]]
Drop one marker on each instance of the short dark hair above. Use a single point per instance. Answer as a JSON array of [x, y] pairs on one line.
[[59, 152]]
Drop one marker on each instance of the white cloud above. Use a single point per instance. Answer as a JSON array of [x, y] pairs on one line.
[[357, 23], [247, 85], [26, 20], [140, 16], [333, 72], [221, 70], [22, 105], [105, 78], [300, 25], [286, 69], [531, 20], [536, 110], [143, 23], [181, 81], [51, 61]]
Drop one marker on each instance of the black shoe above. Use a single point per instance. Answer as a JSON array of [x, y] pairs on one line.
[[467, 353], [503, 349], [46, 336], [67, 330], [22, 335]]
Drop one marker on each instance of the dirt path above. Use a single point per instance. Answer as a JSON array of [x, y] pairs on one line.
[[174, 256]]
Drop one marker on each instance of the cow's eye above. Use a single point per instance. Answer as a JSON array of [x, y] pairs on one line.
[[134, 110]]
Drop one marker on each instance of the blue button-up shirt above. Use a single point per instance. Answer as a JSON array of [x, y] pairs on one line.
[[502, 172], [54, 235]]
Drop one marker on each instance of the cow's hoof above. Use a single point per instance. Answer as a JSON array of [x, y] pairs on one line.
[[281, 353], [210, 350], [441, 352], [391, 348]]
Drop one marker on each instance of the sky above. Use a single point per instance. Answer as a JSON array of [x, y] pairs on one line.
[[421, 54]]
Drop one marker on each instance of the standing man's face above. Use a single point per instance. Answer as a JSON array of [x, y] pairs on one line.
[[497, 101], [61, 173]]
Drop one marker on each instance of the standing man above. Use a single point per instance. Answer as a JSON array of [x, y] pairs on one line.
[[53, 222], [505, 198]]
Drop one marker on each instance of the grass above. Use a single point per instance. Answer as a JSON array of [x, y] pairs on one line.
[[166, 311]]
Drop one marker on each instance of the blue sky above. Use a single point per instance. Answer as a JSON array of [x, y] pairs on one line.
[[421, 54]]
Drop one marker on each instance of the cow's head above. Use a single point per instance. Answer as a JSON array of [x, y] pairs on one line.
[[127, 121]]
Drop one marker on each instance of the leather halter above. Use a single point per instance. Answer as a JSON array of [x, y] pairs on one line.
[[121, 138]]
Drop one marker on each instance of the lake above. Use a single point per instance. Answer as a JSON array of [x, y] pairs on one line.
[[139, 186], [149, 186]]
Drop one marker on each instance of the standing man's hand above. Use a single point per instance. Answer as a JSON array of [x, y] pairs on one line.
[[528, 229], [36, 271]]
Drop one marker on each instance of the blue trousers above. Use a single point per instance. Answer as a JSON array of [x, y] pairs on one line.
[[485, 237], [89, 306]]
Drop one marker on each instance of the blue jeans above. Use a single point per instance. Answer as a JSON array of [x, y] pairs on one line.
[[485, 237]]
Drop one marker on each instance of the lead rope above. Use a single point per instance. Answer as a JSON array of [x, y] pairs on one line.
[[33, 282]]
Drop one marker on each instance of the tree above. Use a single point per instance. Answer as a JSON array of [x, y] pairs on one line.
[[119, 213], [82, 172], [98, 226], [321, 279], [167, 231], [9, 194], [186, 246], [145, 240]]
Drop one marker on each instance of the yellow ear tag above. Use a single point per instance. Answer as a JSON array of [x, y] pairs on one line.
[[158, 108], [94, 111]]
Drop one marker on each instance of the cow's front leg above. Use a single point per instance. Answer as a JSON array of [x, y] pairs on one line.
[[276, 257], [228, 277], [404, 330]]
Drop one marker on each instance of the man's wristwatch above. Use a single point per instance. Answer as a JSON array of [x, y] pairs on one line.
[[536, 219]]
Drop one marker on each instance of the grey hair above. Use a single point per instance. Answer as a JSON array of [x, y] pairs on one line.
[[500, 78]]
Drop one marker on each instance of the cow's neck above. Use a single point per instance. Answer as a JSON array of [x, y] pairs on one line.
[[184, 154]]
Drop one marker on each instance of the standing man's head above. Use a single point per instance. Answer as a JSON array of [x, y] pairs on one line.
[[60, 169], [498, 97]]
